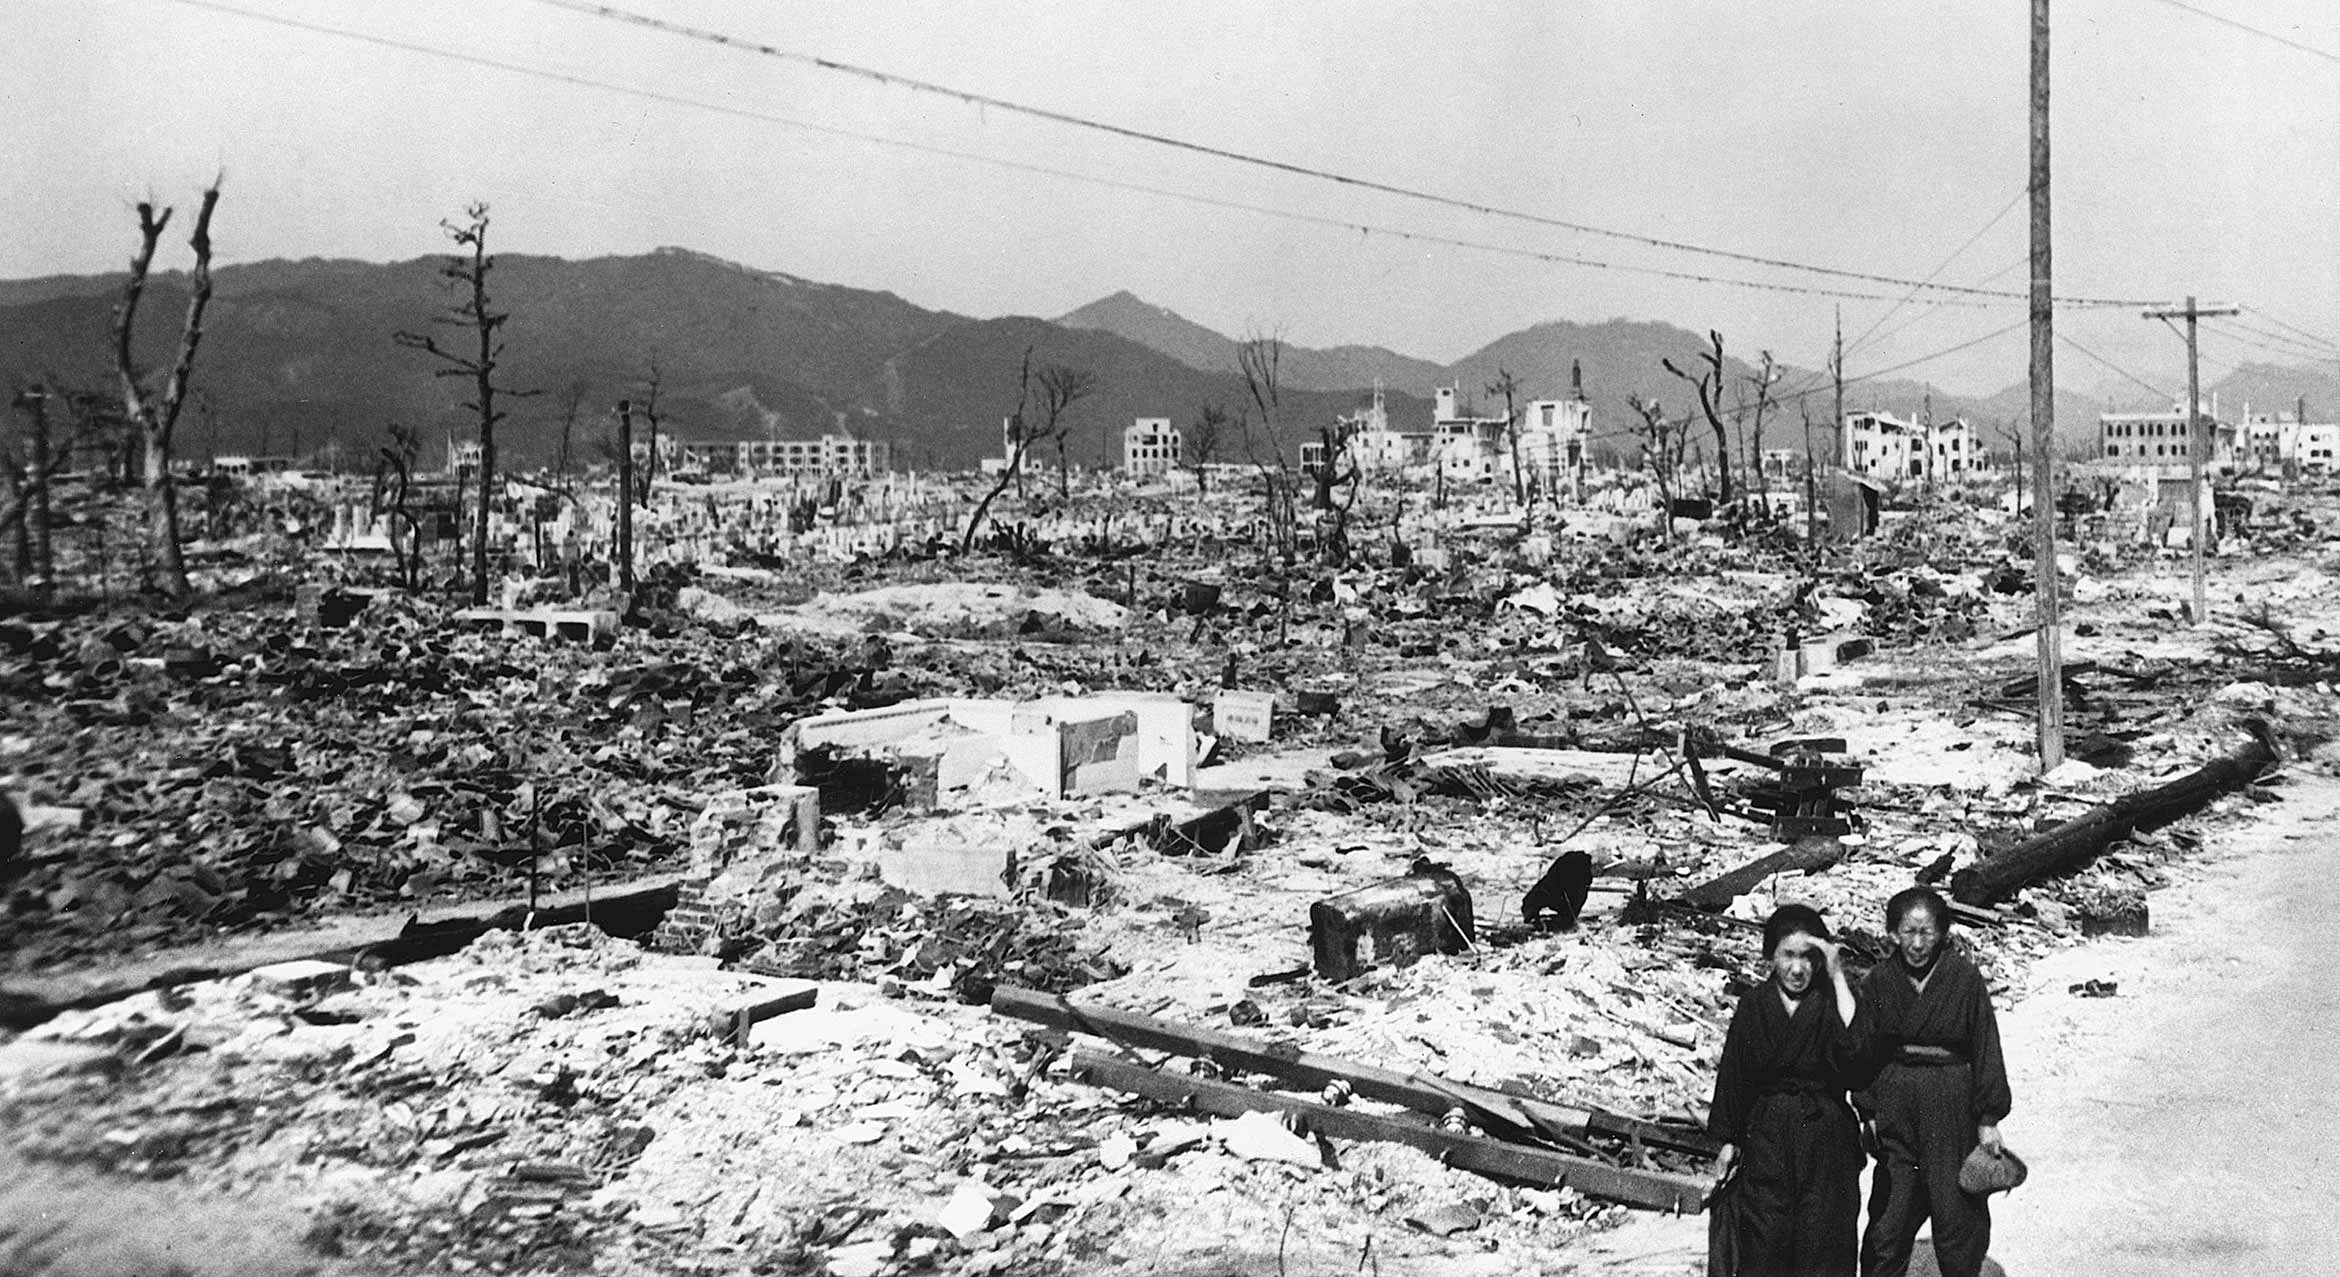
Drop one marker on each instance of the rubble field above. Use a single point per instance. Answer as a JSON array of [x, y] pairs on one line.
[[796, 1068]]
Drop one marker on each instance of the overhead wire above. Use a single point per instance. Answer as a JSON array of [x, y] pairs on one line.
[[1936, 273], [2313, 350], [2291, 328], [2068, 340], [2248, 340], [2309, 49], [1021, 166], [614, 14]]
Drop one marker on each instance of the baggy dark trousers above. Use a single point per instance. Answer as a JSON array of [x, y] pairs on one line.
[[1800, 1181], [1925, 1127]]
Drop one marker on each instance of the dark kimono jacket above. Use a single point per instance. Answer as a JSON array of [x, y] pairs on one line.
[[1939, 1074], [1780, 1096], [1953, 1015]]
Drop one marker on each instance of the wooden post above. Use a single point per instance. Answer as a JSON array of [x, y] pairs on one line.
[[2047, 585], [625, 505]]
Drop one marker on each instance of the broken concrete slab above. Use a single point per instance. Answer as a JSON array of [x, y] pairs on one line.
[[947, 750], [973, 854], [302, 977]]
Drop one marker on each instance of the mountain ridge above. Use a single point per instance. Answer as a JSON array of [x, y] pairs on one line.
[[298, 352]]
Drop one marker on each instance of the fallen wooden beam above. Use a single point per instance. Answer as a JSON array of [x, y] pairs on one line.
[[744, 1019], [2075, 842], [1654, 1190], [1805, 855], [1521, 1115], [628, 909]]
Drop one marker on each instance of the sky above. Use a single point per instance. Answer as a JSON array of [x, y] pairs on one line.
[[2190, 157]]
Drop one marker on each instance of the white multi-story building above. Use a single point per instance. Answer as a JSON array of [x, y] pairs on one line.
[[2159, 439], [1954, 450], [2316, 446], [1553, 436], [1470, 449], [1151, 446], [2272, 441], [1879, 445], [831, 454]]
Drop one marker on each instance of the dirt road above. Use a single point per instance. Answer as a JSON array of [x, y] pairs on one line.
[[2186, 1124]]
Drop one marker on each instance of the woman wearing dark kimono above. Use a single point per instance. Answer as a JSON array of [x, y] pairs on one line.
[[1940, 1091], [1780, 1111]]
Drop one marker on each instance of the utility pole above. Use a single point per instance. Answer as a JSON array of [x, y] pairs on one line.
[[625, 505], [2196, 445], [2047, 583], [1836, 367]]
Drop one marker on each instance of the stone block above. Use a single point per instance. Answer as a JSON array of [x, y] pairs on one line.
[[302, 977]]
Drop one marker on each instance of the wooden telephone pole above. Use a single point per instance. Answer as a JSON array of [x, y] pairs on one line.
[[2047, 584], [1836, 369], [2197, 446]]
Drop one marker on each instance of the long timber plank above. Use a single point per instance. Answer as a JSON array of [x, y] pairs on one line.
[[1653, 1190], [1423, 1093]]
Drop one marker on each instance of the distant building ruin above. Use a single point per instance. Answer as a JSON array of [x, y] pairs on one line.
[[1151, 446]]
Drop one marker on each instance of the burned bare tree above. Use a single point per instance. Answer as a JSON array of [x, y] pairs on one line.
[[651, 381], [1708, 383], [25, 484], [1019, 442], [155, 415], [566, 448], [1333, 510], [1507, 386], [1203, 442], [1061, 386], [1762, 382], [468, 270], [393, 491], [1663, 443], [1260, 357]]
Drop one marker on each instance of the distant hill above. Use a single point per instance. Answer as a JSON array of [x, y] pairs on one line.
[[950, 392], [1339, 368], [298, 354]]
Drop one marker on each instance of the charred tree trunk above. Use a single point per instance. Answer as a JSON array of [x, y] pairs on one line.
[[155, 418], [2074, 843]]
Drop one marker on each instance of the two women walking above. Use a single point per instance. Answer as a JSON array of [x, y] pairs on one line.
[[1916, 1049]]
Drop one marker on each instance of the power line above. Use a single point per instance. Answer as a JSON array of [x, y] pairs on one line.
[[2316, 349], [1936, 273], [1212, 201], [2249, 344], [613, 14], [2285, 41], [2067, 340], [2283, 347], [1807, 382], [2321, 341]]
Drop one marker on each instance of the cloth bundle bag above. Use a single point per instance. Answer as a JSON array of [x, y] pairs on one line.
[[1981, 1174]]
